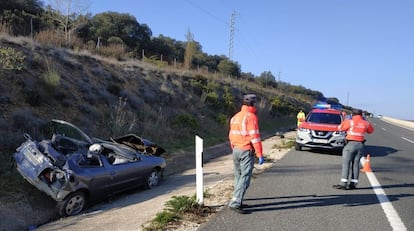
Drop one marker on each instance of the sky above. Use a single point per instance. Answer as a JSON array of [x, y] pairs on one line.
[[358, 51]]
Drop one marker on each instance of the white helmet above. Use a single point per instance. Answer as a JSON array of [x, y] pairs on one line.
[[95, 149]]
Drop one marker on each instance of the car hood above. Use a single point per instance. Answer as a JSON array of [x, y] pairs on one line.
[[138, 143], [145, 146], [319, 126]]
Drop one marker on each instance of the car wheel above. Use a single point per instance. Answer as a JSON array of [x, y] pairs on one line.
[[153, 179], [298, 147], [72, 205]]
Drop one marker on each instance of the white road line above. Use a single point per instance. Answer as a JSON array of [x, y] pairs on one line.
[[407, 140], [392, 215]]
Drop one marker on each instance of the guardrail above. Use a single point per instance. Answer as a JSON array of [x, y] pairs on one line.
[[403, 123]]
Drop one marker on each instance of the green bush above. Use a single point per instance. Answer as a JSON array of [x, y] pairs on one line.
[[51, 77], [289, 143], [222, 119], [212, 99], [10, 59], [112, 50], [196, 84], [164, 217], [180, 204], [186, 120], [175, 207], [229, 100], [154, 60], [281, 106], [211, 86]]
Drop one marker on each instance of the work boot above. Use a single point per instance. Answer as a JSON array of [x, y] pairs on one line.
[[238, 210], [339, 186], [243, 205]]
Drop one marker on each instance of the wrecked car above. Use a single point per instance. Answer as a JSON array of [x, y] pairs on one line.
[[77, 170]]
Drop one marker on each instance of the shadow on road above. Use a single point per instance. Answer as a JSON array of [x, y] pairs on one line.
[[410, 185], [301, 201], [312, 200], [379, 150]]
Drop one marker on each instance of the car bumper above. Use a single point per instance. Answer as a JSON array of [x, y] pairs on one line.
[[334, 142]]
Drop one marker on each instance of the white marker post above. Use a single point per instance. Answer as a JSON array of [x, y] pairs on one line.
[[199, 170]]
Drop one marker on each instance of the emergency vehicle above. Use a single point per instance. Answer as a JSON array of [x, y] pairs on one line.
[[319, 130]]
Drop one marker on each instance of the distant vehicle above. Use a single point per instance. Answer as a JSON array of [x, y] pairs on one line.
[[75, 169], [319, 131]]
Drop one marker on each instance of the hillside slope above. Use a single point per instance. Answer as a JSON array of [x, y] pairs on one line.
[[106, 98]]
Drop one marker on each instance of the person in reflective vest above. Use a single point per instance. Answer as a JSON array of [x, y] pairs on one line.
[[354, 149], [301, 117], [245, 141]]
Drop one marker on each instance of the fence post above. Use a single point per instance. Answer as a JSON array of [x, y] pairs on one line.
[[199, 170]]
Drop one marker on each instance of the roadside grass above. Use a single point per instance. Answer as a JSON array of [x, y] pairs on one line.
[[9, 180], [177, 209], [268, 125], [13, 186], [285, 143]]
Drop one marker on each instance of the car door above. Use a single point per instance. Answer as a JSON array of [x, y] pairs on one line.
[[94, 175], [126, 174]]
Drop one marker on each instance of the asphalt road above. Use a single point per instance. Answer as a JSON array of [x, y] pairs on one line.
[[296, 192], [392, 162]]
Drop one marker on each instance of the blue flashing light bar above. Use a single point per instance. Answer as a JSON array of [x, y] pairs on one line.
[[327, 106], [322, 106]]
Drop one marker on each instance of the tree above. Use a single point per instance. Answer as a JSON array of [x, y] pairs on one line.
[[332, 100], [67, 15], [169, 48], [267, 79], [228, 67], [124, 26], [249, 76], [20, 17], [190, 50], [212, 62]]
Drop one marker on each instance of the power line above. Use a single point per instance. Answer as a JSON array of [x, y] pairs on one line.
[[206, 12]]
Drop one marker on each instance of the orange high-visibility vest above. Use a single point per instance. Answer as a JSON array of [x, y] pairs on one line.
[[356, 128], [244, 131]]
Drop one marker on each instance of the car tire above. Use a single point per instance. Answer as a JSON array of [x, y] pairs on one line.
[[298, 147], [72, 205], [153, 179]]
